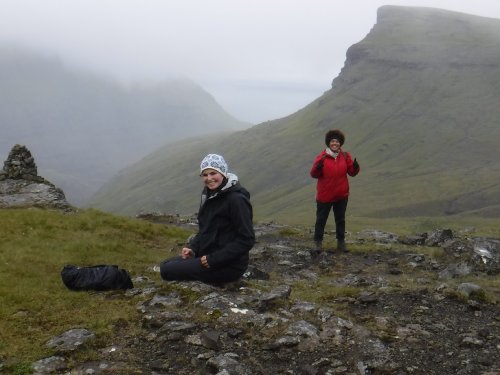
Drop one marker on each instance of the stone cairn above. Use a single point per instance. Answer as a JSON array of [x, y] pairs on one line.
[[20, 165], [21, 186]]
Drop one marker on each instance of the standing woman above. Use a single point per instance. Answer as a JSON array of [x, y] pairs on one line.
[[219, 251], [331, 168]]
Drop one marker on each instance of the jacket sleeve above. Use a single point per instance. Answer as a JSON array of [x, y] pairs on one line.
[[351, 171], [194, 244], [315, 172], [241, 216]]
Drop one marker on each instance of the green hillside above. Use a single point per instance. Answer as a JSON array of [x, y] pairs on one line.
[[418, 101], [83, 128]]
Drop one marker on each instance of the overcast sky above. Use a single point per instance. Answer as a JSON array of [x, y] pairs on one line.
[[260, 59]]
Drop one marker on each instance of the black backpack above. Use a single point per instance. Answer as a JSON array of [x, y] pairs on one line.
[[101, 277]]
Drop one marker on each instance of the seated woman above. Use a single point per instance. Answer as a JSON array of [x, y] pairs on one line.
[[219, 251]]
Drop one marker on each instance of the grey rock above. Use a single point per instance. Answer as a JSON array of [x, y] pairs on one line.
[[158, 319], [472, 342], [193, 340], [216, 301], [457, 247], [369, 345], [177, 326], [211, 339], [171, 299], [378, 236], [487, 251], [70, 340], [357, 280], [286, 341], [416, 258], [439, 237], [280, 293], [455, 270], [336, 330], [49, 365], [467, 289], [303, 306], [367, 297], [255, 273], [415, 240], [325, 314], [96, 368], [302, 328], [308, 370], [228, 363], [23, 194]]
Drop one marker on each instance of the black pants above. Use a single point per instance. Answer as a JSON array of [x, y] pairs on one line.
[[322, 212], [191, 269]]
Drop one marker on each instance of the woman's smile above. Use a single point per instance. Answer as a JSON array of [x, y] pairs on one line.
[[334, 145], [211, 178]]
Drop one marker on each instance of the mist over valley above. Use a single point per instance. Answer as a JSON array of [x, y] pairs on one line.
[[83, 128]]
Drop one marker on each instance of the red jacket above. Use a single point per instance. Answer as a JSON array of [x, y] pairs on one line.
[[333, 184]]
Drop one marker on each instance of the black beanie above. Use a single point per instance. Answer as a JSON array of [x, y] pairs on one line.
[[334, 134]]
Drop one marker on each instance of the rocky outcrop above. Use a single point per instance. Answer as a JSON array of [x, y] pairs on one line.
[[21, 186], [384, 308]]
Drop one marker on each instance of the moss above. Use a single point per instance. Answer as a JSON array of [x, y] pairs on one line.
[[22, 368]]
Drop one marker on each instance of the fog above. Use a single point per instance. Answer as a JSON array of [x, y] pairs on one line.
[[260, 59]]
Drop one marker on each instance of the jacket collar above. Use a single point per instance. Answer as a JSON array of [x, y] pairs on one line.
[[331, 153], [232, 180]]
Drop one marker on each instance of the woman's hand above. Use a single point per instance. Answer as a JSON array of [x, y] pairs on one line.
[[355, 164], [204, 261], [187, 253]]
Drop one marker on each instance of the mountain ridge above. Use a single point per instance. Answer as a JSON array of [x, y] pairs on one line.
[[418, 116]]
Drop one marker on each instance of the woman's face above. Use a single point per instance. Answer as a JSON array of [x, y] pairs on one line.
[[334, 145], [211, 178]]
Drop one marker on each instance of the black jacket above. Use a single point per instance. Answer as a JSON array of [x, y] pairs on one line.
[[225, 232]]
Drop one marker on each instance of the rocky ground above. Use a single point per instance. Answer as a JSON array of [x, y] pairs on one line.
[[387, 307]]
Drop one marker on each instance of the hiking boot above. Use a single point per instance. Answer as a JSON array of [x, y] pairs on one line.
[[318, 249], [318, 246], [341, 246]]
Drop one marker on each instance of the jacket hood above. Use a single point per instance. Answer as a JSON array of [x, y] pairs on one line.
[[233, 184], [232, 180]]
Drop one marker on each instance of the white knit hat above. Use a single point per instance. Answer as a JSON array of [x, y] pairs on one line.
[[216, 162]]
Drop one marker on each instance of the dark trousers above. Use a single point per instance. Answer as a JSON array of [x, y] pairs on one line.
[[191, 269], [322, 212]]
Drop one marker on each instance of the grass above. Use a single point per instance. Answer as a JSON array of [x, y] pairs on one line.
[[321, 291], [36, 244], [303, 223], [474, 226]]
